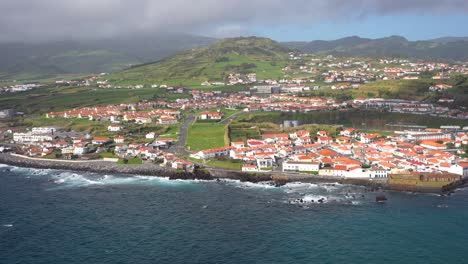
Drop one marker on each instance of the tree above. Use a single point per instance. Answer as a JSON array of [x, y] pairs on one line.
[[450, 145]]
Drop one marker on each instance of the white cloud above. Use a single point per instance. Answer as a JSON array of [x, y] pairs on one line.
[[68, 19]]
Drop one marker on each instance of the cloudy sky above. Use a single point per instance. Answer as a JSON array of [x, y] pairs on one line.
[[39, 20]]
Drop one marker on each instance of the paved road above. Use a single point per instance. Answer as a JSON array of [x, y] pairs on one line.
[[179, 147], [231, 118]]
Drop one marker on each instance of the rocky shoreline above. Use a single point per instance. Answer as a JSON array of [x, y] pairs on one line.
[[157, 171], [125, 169], [102, 167]]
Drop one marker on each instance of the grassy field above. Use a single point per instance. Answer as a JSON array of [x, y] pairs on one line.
[[132, 132], [171, 132], [107, 155], [75, 124], [400, 89], [205, 136], [61, 98], [224, 164], [220, 163], [242, 132], [133, 161], [243, 55]]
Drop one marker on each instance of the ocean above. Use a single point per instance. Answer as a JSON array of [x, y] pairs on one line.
[[50, 216]]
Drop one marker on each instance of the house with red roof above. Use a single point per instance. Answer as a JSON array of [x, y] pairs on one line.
[[210, 115], [213, 153], [100, 140], [167, 120], [249, 167], [237, 144], [460, 168], [433, 145], [348, 132], [368, 138], [324, 140]]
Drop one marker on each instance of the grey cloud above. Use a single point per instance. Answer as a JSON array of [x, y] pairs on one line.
[[27, 20]]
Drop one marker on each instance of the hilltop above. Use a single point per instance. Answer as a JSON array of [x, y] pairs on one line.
[[39, 61], [33, 61], [262, 56], [447, 48]]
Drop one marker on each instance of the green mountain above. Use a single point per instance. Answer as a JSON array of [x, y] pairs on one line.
[[22, 61], [449, 48], [262, 56], [45, 60]]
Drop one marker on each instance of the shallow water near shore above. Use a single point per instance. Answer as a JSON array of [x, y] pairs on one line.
[[53, 216]]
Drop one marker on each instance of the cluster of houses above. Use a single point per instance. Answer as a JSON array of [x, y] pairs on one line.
[[351, 154], [44, 141], [352, 70], [275, 102], [409, 106], [19, 87], [206, 115], [141, 113]]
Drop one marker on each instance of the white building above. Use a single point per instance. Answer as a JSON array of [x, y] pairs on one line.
[[264, 163], [461, 168], [167, 120], [114, 128], [356, 173], [119, 140], [43, 130], [417, 136], [249, 168], [296, 166], [150, 135], [213, 153], [29, 137], [80, 149]]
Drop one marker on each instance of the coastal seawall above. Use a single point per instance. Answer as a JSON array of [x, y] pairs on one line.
[[90, 166], [278, 178], [99, 166]]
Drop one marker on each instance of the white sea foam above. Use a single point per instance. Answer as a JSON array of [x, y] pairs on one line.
[[322, 193], [249, 185], [31, 171], [8, 225], [73, 179]]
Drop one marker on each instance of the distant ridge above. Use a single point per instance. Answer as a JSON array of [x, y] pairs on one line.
[[23, 61], [448, 39], [446, 48], [45, 60]]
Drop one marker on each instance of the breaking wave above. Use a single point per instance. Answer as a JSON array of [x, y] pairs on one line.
[[73, 179], [323, 193], [249, 185], [293, 193]]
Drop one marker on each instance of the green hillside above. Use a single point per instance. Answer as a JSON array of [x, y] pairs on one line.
[[36, 61], [236, 55], [454, 49]]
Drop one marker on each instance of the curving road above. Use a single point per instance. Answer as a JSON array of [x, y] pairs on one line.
[[179, 147], [231, 118]]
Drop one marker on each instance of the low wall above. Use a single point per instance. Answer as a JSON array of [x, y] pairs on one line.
[[89, 166]]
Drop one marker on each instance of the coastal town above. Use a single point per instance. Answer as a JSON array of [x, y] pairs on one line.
[[349, 153], [158, 132]]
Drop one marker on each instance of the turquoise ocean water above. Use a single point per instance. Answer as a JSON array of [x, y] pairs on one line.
[[49, 216]]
